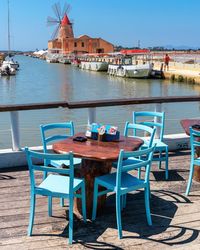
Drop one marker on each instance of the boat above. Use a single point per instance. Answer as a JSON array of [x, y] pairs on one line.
[[94, 66], [9, 66], [9, 61], [7, 71], [132, 64], [64, 60], [76, 62], [131, 71]]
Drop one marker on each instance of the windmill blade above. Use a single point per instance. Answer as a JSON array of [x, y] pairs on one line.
[[66, 9], [52, 21], [57, 10], [55, 33]]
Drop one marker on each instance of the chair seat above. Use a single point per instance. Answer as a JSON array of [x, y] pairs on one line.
[[58, 164], [127, 181], [58, 184]]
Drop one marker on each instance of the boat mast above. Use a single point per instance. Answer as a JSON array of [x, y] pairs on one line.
[[8, 29]]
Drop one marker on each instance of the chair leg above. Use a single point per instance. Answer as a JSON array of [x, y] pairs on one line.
[[62, 202], [190, 178], [160, 162], [166, 164], [32, 214], [118, 215], [95, 200], [139, 173], [147, 205], [71, 204], [83, 202], [49, 205], [123, 201]]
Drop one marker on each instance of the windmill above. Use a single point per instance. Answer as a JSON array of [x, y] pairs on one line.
[[61, 21]]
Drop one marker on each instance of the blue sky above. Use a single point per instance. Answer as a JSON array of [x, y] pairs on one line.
[[121, 22]]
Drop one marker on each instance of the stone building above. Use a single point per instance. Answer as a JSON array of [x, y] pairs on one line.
[[66, 43]]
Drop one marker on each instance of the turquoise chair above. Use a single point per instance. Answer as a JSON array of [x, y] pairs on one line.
[[139, 130], [155, 120], [51, 133], [55, 185], [54, 128], [122, 182], [195, 161]]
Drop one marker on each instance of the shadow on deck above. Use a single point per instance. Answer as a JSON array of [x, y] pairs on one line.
[[176, 218]]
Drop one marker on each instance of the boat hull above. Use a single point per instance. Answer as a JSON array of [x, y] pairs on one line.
[[94, 66]]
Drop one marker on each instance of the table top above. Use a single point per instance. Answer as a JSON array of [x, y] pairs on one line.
[[97, 150], [187, 123]]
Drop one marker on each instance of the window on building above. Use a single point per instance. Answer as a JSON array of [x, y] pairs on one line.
[[82, 44], [75, 44]]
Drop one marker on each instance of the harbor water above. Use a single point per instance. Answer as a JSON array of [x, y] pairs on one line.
[[39, 81]]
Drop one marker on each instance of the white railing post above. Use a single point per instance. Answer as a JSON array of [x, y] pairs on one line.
[[158, 108], [14, 117], [91, 115]]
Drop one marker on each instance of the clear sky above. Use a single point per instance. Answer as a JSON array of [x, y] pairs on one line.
[[121, 22]]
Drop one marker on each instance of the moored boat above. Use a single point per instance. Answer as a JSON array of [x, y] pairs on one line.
[[94, 66], [9, 62], [7, 71], [132, 71], [132, 63]]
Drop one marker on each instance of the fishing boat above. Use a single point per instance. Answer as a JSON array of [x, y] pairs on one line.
[[132, 71], [132, 64]]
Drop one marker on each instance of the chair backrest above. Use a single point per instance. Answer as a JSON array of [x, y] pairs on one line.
[[194, 141], [151, 119], [137, 129], [143, 159], [31, 156], [54, 130]]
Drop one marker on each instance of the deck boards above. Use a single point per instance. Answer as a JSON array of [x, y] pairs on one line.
[[176, 218]]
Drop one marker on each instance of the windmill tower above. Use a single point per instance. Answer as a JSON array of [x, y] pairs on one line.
[[64, 27]]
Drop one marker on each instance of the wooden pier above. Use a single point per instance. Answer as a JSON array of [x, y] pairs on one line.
[[176, 218]]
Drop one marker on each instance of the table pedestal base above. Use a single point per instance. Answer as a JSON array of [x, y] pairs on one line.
[[196, 175], [90, 169]]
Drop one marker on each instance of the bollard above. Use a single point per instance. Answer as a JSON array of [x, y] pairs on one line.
[[14, 117]]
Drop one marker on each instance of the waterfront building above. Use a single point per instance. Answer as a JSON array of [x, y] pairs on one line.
[[66, 43]]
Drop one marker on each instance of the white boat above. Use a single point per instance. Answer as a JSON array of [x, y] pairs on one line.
[[132, 71], [9, 62], [64, 60], [9, 66], [133, 63], [7, 71], [94, 66]]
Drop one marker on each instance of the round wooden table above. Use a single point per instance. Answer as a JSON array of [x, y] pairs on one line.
[[97, 158], [186, 124]]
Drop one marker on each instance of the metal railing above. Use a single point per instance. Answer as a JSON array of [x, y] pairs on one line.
[[91, 105]]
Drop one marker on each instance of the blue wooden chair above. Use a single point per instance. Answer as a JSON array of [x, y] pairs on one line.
[[54, 129], [55, 185], [122, 182], [52, 133], [195, 161], [155, 120], [144, 132]]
